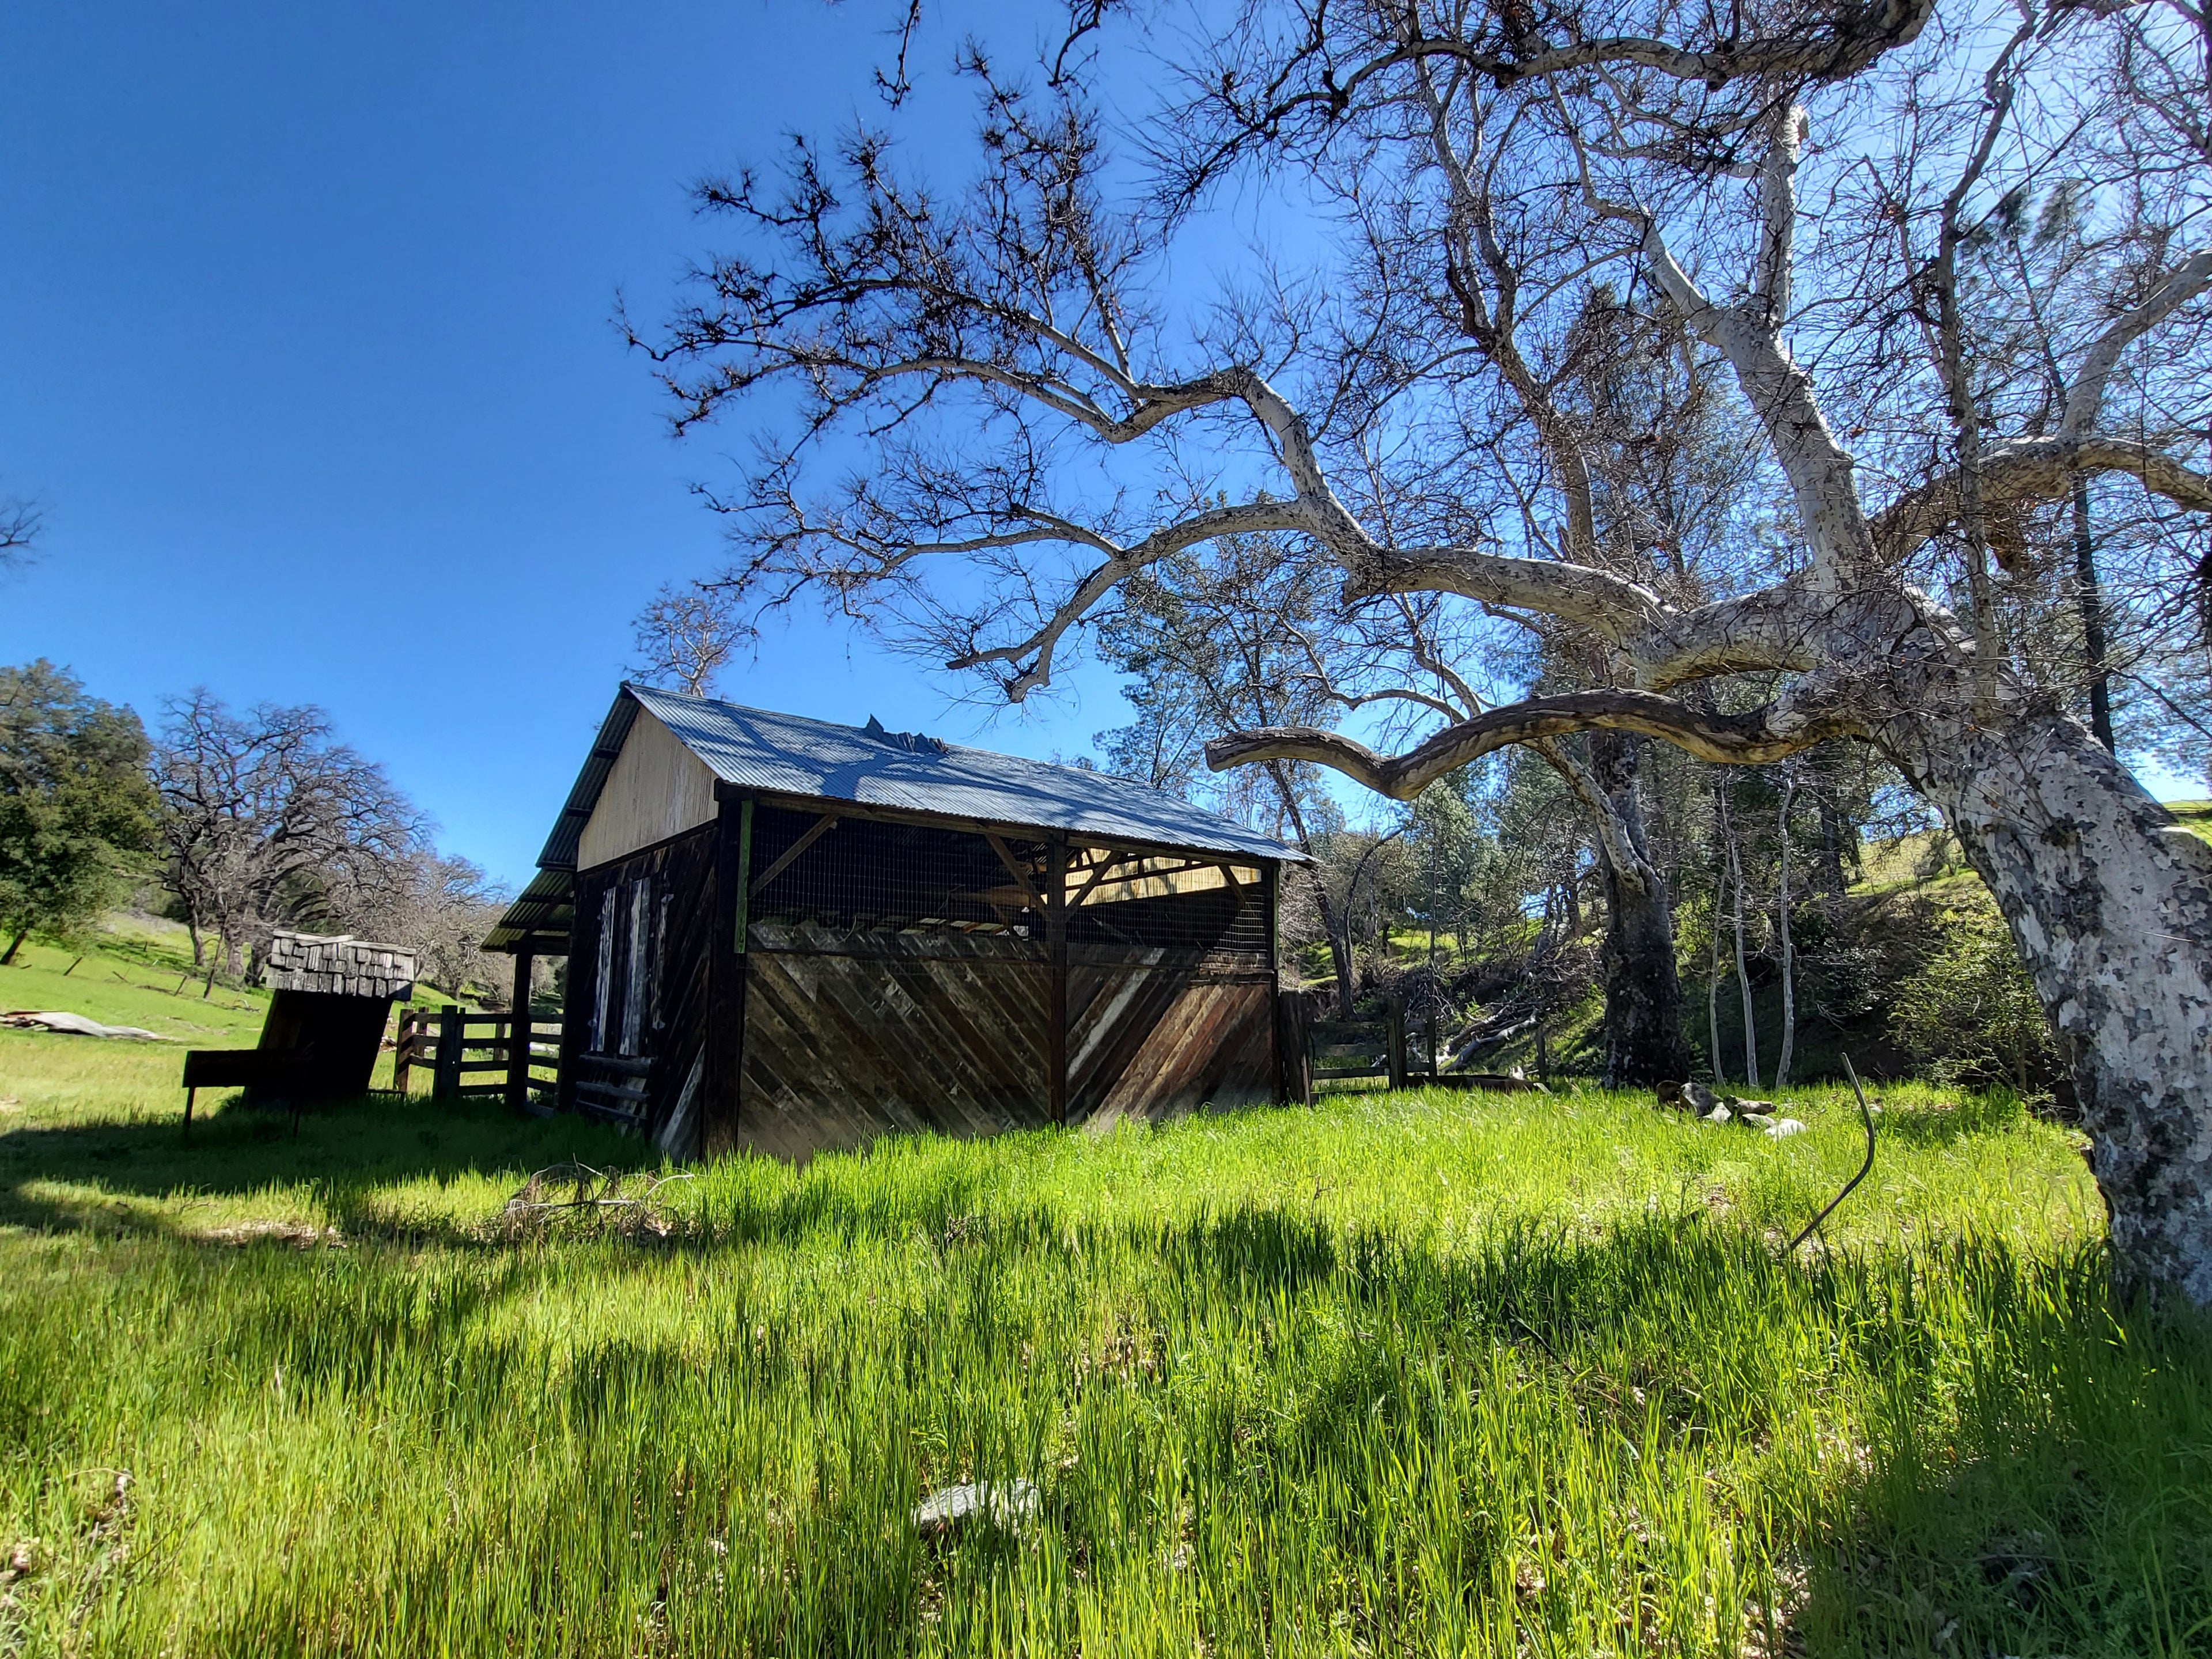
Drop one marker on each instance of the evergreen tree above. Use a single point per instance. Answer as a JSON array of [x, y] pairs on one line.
[[74, 801]]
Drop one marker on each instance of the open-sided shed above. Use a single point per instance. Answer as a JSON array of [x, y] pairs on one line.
[[788, 935]]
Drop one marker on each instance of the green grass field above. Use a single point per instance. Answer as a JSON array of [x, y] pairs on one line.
[[1412, 1374]]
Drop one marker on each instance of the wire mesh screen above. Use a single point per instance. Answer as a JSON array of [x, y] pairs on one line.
[[857, 876], [1155, 900]]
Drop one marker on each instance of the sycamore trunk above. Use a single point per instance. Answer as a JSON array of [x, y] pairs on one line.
[[2110, 902]]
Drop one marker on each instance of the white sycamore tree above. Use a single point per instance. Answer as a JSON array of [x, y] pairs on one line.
[[979, 414]]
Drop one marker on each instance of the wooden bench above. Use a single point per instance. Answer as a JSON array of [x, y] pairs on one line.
[[245, 1068]]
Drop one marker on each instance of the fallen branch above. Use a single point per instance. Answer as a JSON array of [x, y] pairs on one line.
[[599, 1194], [1828, 1209]]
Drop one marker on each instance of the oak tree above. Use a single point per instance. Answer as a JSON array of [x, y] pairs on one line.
[[1039, 414]]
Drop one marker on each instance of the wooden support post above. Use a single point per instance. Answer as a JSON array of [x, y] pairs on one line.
[[743, 927], [518, 1036], [1055, 939], [1395, 1015], [721, 1083], [1286, 1090], [1014, 869], [452, 1031], [402, 1051]]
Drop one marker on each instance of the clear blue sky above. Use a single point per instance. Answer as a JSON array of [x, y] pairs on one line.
[[304, 342]]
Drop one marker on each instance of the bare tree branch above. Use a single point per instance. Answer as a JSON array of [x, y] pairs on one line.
[[1780, 729]]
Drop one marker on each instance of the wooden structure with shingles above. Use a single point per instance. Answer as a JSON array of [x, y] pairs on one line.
[[333, 994], [783, 935]]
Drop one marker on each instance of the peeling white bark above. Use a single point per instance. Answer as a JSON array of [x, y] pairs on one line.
[[2110, 902]]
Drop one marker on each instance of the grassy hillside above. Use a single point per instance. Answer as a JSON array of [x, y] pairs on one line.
[[137, 972], [1398, 1375]]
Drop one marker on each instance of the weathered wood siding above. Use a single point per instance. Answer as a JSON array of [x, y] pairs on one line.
[[851, 1036], [657, 789], [1157, 1034], [673, 1033]]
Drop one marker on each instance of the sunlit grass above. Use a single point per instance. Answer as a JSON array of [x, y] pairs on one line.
[[1414, 1374]]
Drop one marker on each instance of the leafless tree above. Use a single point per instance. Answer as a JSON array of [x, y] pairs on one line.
[[21, 521], [268, 821], [442, 908], [1007, 359], [685, 637]]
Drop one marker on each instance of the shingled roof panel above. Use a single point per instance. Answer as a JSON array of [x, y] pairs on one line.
[[337, 964]]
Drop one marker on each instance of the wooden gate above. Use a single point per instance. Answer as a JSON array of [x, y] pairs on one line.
[[476, 1054]]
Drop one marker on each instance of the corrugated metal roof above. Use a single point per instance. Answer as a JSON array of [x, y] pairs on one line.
[[541, 917], [778, 753], [791, 755]]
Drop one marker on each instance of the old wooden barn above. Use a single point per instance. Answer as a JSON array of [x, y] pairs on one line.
[[788, 935]]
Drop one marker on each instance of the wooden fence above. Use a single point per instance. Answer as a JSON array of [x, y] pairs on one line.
[[468, 1053], [1338, 1049]]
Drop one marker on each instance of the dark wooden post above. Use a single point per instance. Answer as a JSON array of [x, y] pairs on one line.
[[518, 1036], [742, 926], [1270, 872], [1396, 1014], [720, 1087], [1294, 1046], [452, 1033], [1055, 941], [402, 1051]]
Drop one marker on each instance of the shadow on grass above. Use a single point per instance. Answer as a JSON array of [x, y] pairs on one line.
[[2025, 1469], [2029, 1468], [1941, 1124], [346, 1154]]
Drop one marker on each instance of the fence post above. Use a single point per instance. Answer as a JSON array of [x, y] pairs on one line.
[[1396, 1014], [452, 1033], [1294, 1044], [403, 1050], [518, 1036]]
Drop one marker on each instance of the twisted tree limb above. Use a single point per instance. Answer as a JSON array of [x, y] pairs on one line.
[[1767, 733]]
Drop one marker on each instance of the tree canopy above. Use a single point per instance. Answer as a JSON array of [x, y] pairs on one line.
[[75, 807]]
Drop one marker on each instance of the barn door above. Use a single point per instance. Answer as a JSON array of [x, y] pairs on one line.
[[613, 1072]]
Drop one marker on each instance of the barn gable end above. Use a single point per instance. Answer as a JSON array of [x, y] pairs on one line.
[[657, 789]]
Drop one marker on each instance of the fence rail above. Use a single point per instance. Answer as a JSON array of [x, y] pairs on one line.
[[457, 1048], [1339, 1049]]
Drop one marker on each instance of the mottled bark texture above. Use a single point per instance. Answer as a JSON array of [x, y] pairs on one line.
[[2110, 902], [1643, 1040]]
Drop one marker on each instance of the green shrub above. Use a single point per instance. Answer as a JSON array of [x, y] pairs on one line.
[[1971, 1013]]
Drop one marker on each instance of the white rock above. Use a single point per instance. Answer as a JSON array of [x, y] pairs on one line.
[[1006, 1504]]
